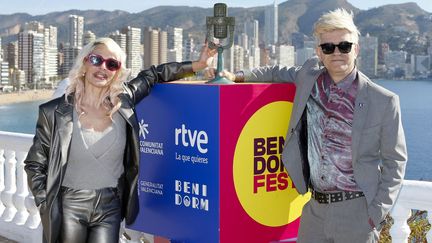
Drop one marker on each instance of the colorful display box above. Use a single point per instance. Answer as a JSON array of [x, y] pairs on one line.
[[211, 168]]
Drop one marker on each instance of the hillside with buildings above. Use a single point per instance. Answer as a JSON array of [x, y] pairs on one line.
[[37, 51]]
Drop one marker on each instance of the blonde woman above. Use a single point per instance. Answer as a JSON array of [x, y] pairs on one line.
[[83, 165]]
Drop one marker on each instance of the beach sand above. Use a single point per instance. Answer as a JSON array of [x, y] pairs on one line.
[[24, 96], [47, 94]]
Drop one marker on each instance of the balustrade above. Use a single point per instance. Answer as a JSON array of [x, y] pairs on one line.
[[20, 221], [19, 217]]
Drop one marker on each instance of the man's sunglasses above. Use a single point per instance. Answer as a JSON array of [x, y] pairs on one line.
[[329, 48], [97, 60]]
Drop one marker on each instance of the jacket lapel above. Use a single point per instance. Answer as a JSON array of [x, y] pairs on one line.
[[127, 112], [360, 115], [64, 121], [303, 91]]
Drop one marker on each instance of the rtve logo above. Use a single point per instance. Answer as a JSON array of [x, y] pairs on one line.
[[191, 138]]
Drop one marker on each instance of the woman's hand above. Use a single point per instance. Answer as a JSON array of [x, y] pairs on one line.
[[205, 59]]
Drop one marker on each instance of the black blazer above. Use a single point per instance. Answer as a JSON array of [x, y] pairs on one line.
[[48, 156]]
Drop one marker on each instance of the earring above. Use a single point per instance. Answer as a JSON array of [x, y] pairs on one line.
[[83, 75]]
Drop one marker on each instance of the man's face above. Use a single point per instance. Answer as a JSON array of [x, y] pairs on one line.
[[338, 64]]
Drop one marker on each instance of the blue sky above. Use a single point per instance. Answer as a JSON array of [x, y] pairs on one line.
[[36, 7]]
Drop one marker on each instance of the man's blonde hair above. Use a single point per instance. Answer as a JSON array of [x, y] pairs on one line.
[[337, 19]]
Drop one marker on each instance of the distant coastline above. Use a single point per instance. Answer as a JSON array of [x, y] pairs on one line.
[[25, 96]]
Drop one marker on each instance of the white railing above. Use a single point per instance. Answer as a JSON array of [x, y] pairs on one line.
[[19, 217], [414, 195]]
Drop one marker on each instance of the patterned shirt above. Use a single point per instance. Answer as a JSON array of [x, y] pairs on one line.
[[330, 111]]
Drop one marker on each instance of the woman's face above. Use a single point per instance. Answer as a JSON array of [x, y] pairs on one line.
[[100, 75]]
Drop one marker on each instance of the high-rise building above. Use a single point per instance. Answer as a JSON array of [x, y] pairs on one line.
[[120, 39], [163, 47], [303, 54], [60, 62], [133, 49], [38, 60], [382, 51], [368, 56], [69, 53], [189, 48], [298, 39], [243, 41], [395, 59], [35, 26], [31, 56], [272, 54], [248, 62], [239, 53], [151, 47], [4, 73], [88, 37], [395, 63], [429, 51], [271, 24], [1, 51], [172, 55], [155, 46], [76, 30], [252, 31], [175, 44], [264, 56], [51, 36], [285, 55], [255, 53], [4, 68], [12, 54], [420, 64], [50, 72], [44, 53], [228, 57]]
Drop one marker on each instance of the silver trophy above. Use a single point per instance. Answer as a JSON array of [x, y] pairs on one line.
[[217, 28]]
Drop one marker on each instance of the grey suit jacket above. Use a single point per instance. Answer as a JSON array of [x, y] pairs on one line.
[[379, 152]]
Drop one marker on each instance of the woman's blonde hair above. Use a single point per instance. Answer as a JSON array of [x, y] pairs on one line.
[[337, 19], [109, 99]]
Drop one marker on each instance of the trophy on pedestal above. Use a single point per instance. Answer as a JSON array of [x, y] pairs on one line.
[[218, 27]]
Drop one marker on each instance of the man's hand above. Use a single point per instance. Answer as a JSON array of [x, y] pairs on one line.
[[210, 73]]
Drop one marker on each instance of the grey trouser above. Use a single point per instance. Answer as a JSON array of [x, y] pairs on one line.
[[90, 216], [339, 222]]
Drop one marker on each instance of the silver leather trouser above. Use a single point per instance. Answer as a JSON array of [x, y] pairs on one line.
[[90, 215]]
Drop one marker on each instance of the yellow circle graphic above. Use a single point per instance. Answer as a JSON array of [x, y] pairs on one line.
[[261, 182]]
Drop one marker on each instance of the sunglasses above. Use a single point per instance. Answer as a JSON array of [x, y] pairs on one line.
[[329, 48], [97, 60]]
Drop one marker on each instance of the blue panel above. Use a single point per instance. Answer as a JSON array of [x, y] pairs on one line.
[[179, 170]]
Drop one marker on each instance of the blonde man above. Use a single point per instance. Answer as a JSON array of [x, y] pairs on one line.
[[345, 142]]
